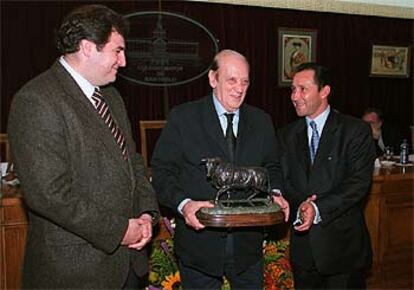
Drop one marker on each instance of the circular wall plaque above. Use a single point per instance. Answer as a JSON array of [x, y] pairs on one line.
[[167, 49]]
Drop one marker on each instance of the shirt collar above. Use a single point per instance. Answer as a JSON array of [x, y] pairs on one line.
[[320, 120], [86, 87], [220, 109]]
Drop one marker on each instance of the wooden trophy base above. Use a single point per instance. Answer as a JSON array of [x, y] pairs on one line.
[[241, 217]]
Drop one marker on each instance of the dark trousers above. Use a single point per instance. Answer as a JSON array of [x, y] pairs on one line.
[[251, 278], [312, 279], [133, 281]]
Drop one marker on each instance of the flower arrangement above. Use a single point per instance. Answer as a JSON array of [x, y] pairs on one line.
[[164, 271], [277, 270], [163, 263]]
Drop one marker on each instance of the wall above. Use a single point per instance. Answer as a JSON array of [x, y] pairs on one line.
[[343, 43]]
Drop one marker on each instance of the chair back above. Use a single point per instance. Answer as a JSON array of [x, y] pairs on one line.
[[5, 155], [147, 140]]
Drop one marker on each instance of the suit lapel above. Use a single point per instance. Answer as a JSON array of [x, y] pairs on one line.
[[91, 119], [302, 146], [243, 131], [327, 138]]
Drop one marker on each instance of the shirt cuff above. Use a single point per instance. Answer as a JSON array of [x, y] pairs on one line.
[[317, 219], [276, 192], [182, 204]]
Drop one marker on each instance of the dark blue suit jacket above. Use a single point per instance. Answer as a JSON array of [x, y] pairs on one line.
[[340, 177]]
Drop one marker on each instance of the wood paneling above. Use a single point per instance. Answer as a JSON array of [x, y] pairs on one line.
[[389, 215], [13, 228]]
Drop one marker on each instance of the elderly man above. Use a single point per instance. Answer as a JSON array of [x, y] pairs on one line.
[[219, 125]]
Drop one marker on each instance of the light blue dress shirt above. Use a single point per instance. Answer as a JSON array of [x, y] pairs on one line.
[[320, 123]]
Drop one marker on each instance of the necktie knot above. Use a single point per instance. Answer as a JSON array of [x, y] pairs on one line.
[[97, 98], [229, 117]]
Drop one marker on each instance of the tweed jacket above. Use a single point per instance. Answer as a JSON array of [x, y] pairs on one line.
[[79, 190]]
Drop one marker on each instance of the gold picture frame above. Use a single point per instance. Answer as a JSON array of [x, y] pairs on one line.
[[390, 61], [296, 46]]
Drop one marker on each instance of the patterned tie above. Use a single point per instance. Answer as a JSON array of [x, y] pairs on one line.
[[314, 141], [230, 138], [103, 110]]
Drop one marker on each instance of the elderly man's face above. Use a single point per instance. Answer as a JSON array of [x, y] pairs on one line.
[[230, 82]]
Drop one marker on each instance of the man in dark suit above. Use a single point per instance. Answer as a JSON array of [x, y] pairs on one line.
[[327, 162], [384, 134], [194, 131], [91, 208]]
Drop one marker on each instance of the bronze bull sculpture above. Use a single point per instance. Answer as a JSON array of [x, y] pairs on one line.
[[226, 177]]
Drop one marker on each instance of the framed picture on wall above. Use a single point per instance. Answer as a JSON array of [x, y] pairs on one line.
[[390, 61], [296, 46]]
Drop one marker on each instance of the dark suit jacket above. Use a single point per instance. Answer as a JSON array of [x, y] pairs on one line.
[[340, 177], [79, 190], [193, 132]]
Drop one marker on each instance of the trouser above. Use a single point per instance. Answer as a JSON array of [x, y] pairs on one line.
[[251, 278], [312, 279]]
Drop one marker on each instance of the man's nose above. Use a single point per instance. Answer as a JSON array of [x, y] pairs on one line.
[[122, 59], [294, 95]]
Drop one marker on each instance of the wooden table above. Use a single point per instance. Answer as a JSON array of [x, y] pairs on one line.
[[389, 215], [13, 228]]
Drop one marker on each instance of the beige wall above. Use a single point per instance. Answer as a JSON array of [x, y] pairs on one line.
[[404, 10]]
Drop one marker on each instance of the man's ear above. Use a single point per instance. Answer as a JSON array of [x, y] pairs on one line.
[[86, 47], [212, 78], [325, 91]]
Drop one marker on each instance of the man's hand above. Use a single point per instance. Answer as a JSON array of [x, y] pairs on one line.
[[139, 232], [307, 214], [189, 210], [284, 205], [376, 130]]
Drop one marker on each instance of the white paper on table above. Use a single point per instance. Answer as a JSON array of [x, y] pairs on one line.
[[3, 168]]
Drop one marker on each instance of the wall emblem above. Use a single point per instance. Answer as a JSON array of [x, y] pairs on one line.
[[167, 49]]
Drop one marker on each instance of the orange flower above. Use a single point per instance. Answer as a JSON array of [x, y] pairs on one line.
[[270, 249], [172, 282]]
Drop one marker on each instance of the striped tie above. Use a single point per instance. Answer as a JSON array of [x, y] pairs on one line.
[[103, 110]]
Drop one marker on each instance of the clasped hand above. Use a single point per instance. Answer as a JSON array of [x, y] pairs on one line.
[[139, 232], [307, 214]]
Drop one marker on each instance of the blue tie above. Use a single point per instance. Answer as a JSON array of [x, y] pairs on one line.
[[314, 141]]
